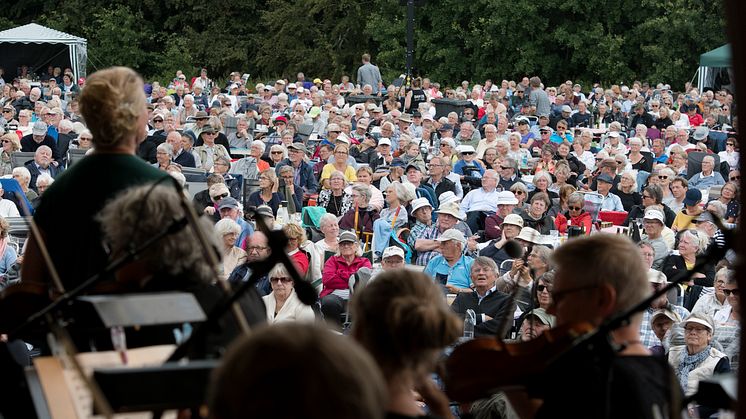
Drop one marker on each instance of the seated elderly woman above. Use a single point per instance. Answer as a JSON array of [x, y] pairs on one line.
[[361, 216], [403, 320], [289, 190], [296, 237], [163, 154], [315, 363], [526, 277], [10, 143], [692, 243], [336, 277], [365, 177], [334, 199], [23, 176], [282, 303], [267, 193], [8, 253], [697, 360], [543, 183], [175, 263], [536, 215], [576, 215], [227, 231], [627, 190], [391, 218]]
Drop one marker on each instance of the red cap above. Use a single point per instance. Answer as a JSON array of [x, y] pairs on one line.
[[281, 118]]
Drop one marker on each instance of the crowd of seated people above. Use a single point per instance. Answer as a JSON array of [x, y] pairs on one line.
[[360, 190]]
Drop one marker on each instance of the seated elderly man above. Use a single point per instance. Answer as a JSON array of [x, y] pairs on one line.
[[506, 202], [42, 164], [509, 175], [482, 202], [38, 138], [491, 306], [180, 155], [611, 201], [708, 176], [449, 217], [250, 166], [230, 208], [451, 269], [648, 336], [302, 170]]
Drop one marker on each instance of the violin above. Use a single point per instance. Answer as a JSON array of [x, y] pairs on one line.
[[482, 366]]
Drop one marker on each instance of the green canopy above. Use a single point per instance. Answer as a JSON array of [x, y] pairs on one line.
[[719, 57]]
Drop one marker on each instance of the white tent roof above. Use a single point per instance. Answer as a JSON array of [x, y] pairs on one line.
[[37, 34]]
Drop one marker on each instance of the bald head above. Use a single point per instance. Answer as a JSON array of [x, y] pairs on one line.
[[174, 138]]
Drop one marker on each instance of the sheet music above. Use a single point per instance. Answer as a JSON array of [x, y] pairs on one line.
[[75, 386]]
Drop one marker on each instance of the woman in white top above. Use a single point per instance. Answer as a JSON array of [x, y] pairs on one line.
[[227, 232], [282, 303], [730, 154]]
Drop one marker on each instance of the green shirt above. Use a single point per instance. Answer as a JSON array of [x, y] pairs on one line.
[[67, 210]]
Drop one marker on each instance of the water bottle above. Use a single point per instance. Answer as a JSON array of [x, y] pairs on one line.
[[282, 214], [524, 161], [470, 319]]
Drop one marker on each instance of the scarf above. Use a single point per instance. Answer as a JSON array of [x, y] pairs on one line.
[[689, 363]]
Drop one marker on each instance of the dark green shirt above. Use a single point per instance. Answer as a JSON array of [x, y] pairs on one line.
[[67, 210]]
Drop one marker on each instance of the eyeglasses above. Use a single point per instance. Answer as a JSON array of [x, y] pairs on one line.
[[256, 248], [218, 197], [575, 208], [283, 279], [342, 153], [646, 196], [735, 291]]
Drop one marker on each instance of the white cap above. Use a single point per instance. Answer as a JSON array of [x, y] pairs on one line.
[[506, 198], [530, 235], [654, 214], [448, 196], [384, 141], [466, 149], [392, 251], [292, 86], [419, 203], [656, 277], [614, 134], [513, 219], [452, 234]]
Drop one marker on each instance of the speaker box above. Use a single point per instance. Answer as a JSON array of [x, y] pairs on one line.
[[445, 106], [355, 99]]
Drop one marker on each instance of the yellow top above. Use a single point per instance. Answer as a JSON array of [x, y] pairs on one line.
[[350, 173]]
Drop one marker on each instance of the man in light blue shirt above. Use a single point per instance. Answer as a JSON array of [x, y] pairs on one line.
[[708, 176], [451, 269], [611, 201]]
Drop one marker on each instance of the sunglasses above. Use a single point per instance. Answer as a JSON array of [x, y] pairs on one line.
[[276, 152], [735, 177], [505, 167], [518, 193], [542, 288], [6, 141], [218, 197], [575, 208], [284, 279], [663, 177], [7, 111], [466, 153], [157, 120], [736, 292]]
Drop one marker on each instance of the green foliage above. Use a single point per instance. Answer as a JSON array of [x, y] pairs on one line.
[[607, 41]]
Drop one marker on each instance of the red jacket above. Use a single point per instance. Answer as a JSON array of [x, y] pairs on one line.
[[337, 273], [584, 219]]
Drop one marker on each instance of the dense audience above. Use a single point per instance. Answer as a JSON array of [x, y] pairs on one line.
[[372, 178]]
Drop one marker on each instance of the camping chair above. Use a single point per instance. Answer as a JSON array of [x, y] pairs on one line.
[[20, 158], [357, 282]]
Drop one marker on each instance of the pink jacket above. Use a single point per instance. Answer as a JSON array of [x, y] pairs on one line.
[[337, 273]]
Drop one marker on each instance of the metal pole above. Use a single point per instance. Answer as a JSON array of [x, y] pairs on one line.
[[410, 42]]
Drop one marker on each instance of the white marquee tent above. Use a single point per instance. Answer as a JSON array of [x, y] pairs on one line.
[[39, 47]]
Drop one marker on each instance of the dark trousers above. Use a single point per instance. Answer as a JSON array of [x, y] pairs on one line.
[[475, 220], [332, 307]]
